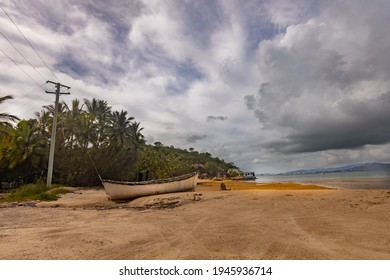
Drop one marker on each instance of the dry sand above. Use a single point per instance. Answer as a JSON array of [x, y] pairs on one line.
[[278, 221]]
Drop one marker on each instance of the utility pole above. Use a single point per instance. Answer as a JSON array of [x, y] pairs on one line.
[[54, 130]]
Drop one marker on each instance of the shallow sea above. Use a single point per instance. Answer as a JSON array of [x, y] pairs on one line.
[[342, 180]]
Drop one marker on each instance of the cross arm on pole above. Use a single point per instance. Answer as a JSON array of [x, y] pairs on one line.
[[58, 85]]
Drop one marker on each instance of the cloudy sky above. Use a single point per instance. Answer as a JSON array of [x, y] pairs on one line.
[[272, 85]]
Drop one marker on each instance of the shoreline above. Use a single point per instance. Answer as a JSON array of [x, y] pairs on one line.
[[252, 221], [364, 180], [253, 185]]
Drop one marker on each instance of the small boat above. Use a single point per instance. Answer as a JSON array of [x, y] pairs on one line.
[[118, 190]]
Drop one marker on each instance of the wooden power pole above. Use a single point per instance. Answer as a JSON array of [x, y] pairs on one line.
[[54, 129]]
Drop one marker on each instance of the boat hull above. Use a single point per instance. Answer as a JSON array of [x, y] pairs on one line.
[[126, 190]]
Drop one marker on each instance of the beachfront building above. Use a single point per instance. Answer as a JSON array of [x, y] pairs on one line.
[[241, 175], [250, 175]]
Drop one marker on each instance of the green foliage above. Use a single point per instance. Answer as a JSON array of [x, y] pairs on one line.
[[162, 162], [5, 118], [58, 190], [92, 131], [234, 174], [23, 151], [35, 192]]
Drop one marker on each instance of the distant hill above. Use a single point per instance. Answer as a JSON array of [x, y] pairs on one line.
[[373, 166]]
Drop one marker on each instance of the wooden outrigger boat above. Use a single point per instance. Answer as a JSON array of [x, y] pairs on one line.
[[118, 190]]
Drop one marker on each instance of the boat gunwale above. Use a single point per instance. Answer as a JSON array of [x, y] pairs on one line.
[[153, 182]]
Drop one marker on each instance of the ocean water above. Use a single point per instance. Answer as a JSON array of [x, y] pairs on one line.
[[343, 180]]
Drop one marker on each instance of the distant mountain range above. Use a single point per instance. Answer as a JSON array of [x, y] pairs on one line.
[[373, 166]]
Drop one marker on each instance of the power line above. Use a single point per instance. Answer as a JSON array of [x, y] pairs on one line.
[[25, 103], [27, 107], [16, 98], [20, 68], [22, 55], [54, 75]]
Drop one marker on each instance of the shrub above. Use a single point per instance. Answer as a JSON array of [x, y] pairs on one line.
[[35, 192]]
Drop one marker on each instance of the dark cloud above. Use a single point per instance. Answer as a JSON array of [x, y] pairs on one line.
[[216, 118], [98, 32], [323, 81], [250, 101], [266, 103], [72, 66], [363, 123], [185, 73], [51, 16], [202, 18], [194, 138], [117, 16]]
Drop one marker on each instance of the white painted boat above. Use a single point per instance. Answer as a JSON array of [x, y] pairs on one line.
[[118, 190]]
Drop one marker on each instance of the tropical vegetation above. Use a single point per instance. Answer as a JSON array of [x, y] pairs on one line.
[[91, 138], [37, 191]]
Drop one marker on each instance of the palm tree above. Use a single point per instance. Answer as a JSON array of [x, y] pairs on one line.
[[28, 147], [92, 107], [100, 114], [97, 108], [87, 132], [5, 145], [119, 129], [5, 118], [136, 136], [72, 123], [43, 122], [62, 108]]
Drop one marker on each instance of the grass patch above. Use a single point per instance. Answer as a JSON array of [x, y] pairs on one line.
[[35, 192]]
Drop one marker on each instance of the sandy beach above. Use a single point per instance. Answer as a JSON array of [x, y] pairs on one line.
[[269, 221]]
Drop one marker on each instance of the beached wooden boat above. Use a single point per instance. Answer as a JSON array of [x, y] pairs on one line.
[[118, 190]]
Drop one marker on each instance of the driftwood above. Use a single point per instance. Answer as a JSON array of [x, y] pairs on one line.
[[224, 188]]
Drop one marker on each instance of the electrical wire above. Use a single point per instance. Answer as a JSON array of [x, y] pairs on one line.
[[26, 107], [15, 100], [44, 62], [22, 55], [20, 68]]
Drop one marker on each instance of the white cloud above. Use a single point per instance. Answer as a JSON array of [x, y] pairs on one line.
[[171, 64], [284, 13], [307, 75]]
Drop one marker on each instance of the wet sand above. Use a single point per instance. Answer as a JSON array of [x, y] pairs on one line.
[[269, 221]]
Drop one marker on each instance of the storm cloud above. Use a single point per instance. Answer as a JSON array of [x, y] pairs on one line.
[[319, 90]]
